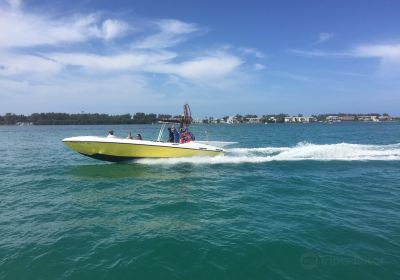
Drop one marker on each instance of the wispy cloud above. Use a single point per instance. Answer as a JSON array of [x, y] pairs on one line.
[[14, 65], [14, 4], [22, 29], [323, 37], [259, 67], [207, 67], [112, 28], [86, 93], [170, 32], [391, 52], [252, 51], [318, 53], [381, 51], [78, 56], [132, 61], [388, 55]]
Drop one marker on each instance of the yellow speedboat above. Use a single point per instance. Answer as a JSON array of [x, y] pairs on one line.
[[119, 149]]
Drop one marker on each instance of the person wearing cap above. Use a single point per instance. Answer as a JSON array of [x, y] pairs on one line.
[[184, 136]]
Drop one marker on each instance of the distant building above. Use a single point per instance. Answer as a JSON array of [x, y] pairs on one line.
[[368, 118], [232, 119], [385, 118], [197, 121], [254, 120], [24, 123], [299, 119], [311, 119], [347, 118], [333, 119]]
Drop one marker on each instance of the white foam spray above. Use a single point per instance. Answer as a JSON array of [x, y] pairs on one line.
[[302, 151]]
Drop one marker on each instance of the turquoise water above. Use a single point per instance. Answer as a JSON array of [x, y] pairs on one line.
[[306, 201]]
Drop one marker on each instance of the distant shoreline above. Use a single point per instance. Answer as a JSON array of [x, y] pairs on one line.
[[244, 124], [143, 118]]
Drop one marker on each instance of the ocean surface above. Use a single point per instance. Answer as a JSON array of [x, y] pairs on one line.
[[289, 201]]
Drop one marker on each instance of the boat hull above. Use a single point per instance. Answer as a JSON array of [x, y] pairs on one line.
[[116, 150]]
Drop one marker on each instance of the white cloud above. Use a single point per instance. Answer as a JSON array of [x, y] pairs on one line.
[[176, 26], [391, 52], [125, 61], [70, 72], [381, 51], [14, 4], [323, 37], [76, 94], [207, 67], [258, 67], [12, 65], [21, 29], [210, 67], [318, 53], [252, 51], [170, 33], [113, 28], [387, 55]]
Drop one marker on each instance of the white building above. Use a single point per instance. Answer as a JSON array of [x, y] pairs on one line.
[[299, 119], [347, 118], [254, 120], [232, 119], [197, 121], [385, 118], [368, 118], [333, 119]]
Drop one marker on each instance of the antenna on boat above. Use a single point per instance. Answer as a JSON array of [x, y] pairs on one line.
[[184, 120], [187, 116]]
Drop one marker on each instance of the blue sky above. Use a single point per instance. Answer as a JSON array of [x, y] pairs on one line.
[[223, 57]]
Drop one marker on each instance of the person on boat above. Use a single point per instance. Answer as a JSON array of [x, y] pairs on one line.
[[111, 134], [138, 137], [184, 136], [170, 135], [176, 135], [129, 135], [192, 136]]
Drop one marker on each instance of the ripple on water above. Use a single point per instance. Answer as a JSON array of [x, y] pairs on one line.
[[299, 211]]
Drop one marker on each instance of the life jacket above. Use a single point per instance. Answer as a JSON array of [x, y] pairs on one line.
[[184, 137]]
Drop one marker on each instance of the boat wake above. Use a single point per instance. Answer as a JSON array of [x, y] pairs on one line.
[[302, 151]]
